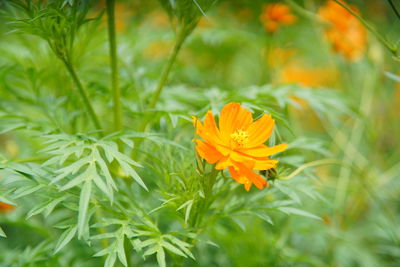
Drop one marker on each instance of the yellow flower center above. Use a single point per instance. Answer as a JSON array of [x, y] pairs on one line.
[[240, 137]]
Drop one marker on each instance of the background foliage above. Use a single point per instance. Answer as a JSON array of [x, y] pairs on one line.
[[87, 194]]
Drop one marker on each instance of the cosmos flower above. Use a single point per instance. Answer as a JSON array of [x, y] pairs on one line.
[[275, 15], [238, 144], [346, 34]]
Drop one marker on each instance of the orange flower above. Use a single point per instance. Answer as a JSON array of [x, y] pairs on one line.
[[238, 144], [346, 34], [307, 76], [4, 207], [274, 15]]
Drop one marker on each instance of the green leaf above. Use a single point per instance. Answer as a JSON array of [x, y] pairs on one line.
[[131, 172], [291, 210], [264, 217], [50, 207], [37, 210], [182, 245], [2, 234], [110, 261], [161, 257], [27, 190], [188, 204], [121, 251], [83, 207], [150, 251], [172, 248], [107, 250], [65, 238], [85, 176], [392, 76]]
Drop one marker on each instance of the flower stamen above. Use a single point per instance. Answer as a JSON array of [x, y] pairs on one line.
[[240, 137]]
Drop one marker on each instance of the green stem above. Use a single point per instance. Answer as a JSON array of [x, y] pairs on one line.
[[393, 6], [304, 12], [183, 33], [382, 39], [110, 6], [308, 165], [84, 95], [164, 75]]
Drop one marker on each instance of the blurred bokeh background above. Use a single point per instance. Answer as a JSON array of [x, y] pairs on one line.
[[246, 51]]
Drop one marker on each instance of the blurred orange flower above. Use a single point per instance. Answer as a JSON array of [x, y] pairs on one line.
[[274, 15], [307, 76], [4, 207], [123, 12], [238, 144], [346, 34], [158, 50], [277, 57]]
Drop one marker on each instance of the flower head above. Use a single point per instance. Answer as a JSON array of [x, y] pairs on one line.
[[274, 15], [238, 144], [346, 34], [4, 207]]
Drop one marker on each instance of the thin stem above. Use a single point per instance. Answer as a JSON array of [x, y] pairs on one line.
[[382, 39], [308, 165], [110, 6], [164, 76], [394, 8], [304, 12], [356, 134], [84, 95]]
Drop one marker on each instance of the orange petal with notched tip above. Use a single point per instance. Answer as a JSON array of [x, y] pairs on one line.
[[232, 118], [260, 130], [211, 126]]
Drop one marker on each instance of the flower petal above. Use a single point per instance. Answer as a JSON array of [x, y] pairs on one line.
[[224, 163], [260, 130], [262, 150], [264, 164], [240, 179], [232, 118], [246, 176], [208, 131], [208, 152]]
